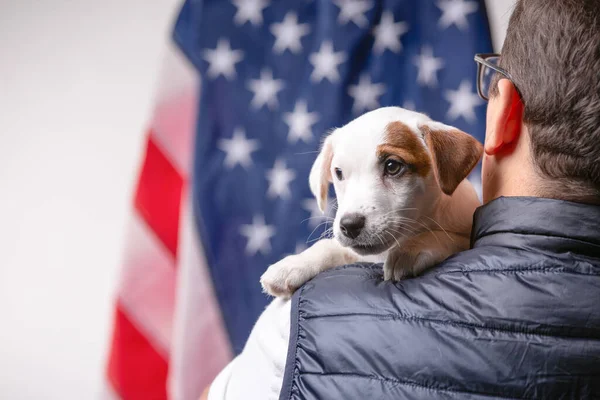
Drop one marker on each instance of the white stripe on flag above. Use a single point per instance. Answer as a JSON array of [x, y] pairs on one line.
[[174, 118], [147, 287], [201, 347]]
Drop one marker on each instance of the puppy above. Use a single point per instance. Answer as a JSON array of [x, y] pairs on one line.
[[399, 180]]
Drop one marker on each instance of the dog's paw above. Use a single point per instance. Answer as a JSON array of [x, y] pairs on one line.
[[284, 277], [407, 264]]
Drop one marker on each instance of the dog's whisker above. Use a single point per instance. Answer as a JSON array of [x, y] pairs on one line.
[[393, 216], [401, 226], [317, 218], [429, 229], [308, 240], [393, 237], [402, 234], [317, 227], [380, 239], [414, 221], [306, 152], [441, 227], [399, 210], [405, 224], [334, 204], [400, 217], [327, 230], [323, 235]]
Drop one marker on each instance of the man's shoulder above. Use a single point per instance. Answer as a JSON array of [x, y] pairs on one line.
[[361, 287], [478, 287], [493, 282]]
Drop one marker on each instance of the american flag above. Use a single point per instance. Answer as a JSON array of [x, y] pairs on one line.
[[249, 90]]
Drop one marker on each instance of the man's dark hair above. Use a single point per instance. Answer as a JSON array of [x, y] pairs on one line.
[[552, 51]]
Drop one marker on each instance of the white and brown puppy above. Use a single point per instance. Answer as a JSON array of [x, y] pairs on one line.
[[399, 179]]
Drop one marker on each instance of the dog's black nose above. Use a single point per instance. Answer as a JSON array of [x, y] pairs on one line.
[[352, 224]]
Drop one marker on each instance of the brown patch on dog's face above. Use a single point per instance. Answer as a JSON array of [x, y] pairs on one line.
[[402, 142]]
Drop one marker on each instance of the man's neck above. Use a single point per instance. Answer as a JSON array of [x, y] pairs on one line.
[[518, 180], [530, 184]]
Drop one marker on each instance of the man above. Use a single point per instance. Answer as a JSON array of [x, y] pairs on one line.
[[517, 315]]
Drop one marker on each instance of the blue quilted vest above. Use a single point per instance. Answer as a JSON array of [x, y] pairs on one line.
[[516, 316]]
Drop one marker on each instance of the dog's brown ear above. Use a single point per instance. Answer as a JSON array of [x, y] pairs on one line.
[[454, 152], [320, 174]]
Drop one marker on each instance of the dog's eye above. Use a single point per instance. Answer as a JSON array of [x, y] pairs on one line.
[[339, 174], [393, 167]]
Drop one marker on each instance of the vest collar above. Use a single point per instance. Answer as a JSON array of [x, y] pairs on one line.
[[539, 217]]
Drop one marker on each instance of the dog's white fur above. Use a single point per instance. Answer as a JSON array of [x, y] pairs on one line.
[[410, 223]]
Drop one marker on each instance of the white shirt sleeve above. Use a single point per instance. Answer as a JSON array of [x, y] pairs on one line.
[[257, 372]]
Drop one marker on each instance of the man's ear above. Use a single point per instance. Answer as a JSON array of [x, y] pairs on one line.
[[504, 119], [320, 174], [454, 154]]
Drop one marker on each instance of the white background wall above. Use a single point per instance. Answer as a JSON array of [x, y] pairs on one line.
[[76, 85]]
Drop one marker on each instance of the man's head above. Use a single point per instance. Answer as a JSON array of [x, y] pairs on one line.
[[389, 167], [546, 141]]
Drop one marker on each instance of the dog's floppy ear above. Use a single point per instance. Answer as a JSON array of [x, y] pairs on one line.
[[454, 152], [320, 174]]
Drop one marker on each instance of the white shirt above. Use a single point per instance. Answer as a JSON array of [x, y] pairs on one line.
[[257, 372]]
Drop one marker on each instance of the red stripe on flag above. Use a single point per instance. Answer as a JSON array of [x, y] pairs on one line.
[[135, 369], [158, 195]]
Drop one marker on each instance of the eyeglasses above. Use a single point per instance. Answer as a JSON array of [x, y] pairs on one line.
[[487, 74]]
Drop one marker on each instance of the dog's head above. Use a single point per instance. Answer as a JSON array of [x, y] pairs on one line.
[[389, 168]]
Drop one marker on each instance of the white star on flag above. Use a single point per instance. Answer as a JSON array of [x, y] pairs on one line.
[[388, 33], [463, 102], [288, 34], [428, 67], [259, 236], [279, 178], [249, 10], [409, 105], [238, 149], [365, 94], [222, 60], [265, 90], [326, 62], [454, 12], [353, 10], [300, 122]]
